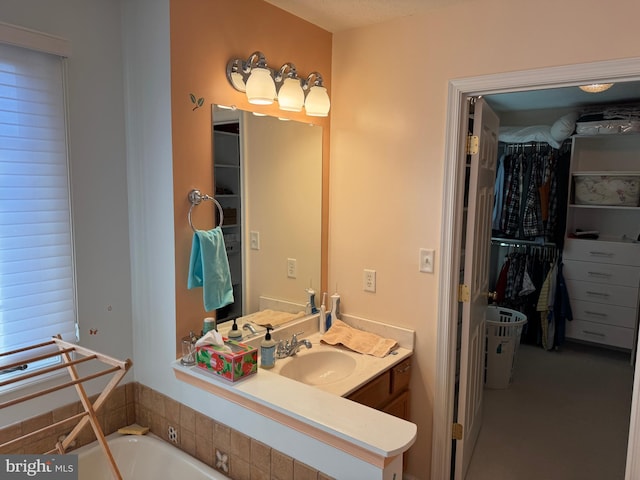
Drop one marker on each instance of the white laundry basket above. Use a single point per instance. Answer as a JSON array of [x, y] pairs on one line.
[[504, 327]]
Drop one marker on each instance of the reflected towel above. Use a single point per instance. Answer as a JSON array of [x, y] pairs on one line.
[[209, 269], [358, 340], [270, 317]]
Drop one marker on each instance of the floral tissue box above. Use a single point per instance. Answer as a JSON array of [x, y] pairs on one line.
[[239, 363]]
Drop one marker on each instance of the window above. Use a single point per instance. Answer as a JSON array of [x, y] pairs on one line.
[[37, 275]]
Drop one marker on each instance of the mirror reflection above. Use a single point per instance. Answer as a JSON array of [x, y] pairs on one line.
[[268, 179]]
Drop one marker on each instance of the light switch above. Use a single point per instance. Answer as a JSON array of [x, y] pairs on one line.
[[426, 260], [254, 239]]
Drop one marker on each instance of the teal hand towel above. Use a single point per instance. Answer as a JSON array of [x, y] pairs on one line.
[[209, 269]]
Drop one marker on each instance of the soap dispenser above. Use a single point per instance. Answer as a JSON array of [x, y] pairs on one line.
[[235, 333], [268, 350]]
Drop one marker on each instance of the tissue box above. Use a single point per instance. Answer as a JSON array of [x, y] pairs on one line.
[[241, 362]]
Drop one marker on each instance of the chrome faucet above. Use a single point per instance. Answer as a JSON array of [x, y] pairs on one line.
[[288, 348], [251, 328]]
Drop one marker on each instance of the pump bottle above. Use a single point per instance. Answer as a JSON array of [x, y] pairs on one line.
[[268, 350]]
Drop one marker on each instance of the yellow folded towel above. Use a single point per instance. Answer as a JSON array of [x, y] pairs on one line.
[[270, 317], [357, 340], [133, 429]]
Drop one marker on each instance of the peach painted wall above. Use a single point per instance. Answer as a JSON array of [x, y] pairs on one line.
[[205, 34], [387, 146]]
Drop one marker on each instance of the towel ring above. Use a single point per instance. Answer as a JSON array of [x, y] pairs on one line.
[[195, 197]]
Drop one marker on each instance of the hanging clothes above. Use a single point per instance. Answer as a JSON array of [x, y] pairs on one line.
[[529, 201]]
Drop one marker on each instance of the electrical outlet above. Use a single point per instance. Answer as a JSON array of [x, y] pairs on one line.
[[369, 283], [254, 240], [426, 260], [292, 268]]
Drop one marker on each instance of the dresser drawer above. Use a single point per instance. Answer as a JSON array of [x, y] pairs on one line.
[[599, 333], [606, 273], [600, 293], [605, 252], [607, 314]]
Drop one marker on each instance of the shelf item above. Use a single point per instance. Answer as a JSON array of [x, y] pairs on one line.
[[607, 188], [70, 355]]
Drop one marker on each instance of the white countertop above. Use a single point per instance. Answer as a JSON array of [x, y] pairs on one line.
[[320, 409]]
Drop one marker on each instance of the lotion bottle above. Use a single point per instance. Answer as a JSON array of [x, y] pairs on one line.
[[235, 333], [268, 350]]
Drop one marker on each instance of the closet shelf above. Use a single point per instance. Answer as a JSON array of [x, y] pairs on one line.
[[516, 241]]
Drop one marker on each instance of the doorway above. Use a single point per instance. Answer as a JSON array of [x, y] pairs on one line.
[[459, 91]]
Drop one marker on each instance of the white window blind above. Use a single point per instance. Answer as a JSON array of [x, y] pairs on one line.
[[37, 277]]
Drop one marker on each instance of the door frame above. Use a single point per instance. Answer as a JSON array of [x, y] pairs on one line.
[[452, 205]]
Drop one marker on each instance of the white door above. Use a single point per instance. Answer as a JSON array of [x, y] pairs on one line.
[[476, 280]]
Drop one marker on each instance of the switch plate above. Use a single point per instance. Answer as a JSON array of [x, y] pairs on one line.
[[254, 239], [292, 268], [369, 280], [426, 260]]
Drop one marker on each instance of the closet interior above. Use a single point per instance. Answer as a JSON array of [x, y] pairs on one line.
[[565, 247]]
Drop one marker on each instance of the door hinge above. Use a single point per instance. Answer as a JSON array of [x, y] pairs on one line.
[[473, 142], [463, 293], [456, 432]]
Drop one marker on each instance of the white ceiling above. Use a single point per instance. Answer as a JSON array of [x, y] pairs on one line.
[[337, 15]]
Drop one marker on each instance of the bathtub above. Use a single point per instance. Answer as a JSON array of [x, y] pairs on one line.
[[141, 457]]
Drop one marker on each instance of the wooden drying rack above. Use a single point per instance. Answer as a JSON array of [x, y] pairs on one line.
[[65, 351]]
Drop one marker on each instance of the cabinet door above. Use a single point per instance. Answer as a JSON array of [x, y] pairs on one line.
[[375, 393], [399, 406]]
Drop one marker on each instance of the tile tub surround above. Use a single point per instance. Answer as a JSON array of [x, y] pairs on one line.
[[236, 455], [118, 411]]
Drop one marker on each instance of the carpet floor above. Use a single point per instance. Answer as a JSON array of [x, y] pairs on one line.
[[564, 417]]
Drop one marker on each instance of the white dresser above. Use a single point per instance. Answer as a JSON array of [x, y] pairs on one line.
[[603, 280], [603, 275]]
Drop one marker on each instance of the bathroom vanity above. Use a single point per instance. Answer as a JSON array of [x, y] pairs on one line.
[[326, 412]]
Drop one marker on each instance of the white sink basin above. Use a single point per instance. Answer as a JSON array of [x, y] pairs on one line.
[[319, 367]]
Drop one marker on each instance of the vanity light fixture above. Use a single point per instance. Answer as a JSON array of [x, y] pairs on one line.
[[253, 77], [317, 103], [263, 85], [595, 87], [290, 93]]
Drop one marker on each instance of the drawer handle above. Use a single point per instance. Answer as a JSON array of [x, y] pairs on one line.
[[601, 254], [597, 334], [598, 294], [596, 314], [599, 274], [405, 369]]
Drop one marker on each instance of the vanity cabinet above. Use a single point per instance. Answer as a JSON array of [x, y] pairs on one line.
[[603, 275], [388, 392]]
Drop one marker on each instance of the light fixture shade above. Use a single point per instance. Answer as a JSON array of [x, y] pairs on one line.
[[261, 89], [291, 96], [596, 87], [317, 103]]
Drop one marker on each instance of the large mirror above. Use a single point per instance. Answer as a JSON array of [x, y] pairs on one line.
[[268, 177]]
